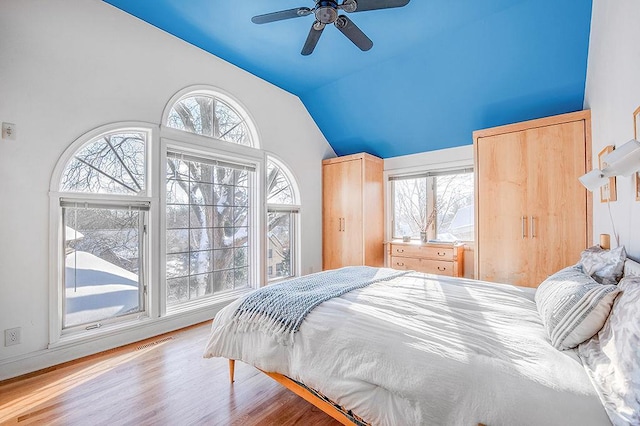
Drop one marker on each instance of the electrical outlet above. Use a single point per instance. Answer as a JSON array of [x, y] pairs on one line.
[[9, 131], [12, 336]]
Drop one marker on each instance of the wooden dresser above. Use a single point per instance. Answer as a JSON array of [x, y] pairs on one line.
[[434, 258]]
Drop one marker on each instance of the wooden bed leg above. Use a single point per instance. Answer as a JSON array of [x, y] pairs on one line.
[[232, 366]]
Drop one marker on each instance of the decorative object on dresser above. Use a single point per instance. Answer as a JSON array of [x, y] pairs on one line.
[[533, 217], [352, 211], [433, 258]]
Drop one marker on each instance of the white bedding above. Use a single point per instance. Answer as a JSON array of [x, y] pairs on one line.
[[425, 349]]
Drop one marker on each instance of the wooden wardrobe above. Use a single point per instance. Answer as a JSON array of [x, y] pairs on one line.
[[533, 217], [352, 211]]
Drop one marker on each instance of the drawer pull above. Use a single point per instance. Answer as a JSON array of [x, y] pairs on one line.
[[442, 268], [399, 263], [442, 253], [399, 250]]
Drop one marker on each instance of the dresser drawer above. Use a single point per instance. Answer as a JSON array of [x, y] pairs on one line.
[[440, 267], [429, 252]]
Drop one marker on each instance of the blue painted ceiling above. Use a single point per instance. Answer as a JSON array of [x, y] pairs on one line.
[[438, 69]]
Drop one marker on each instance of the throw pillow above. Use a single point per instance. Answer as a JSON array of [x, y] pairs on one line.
[[573, 307]]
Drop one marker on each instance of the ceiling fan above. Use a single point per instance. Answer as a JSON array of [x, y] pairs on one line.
[[327, 12]]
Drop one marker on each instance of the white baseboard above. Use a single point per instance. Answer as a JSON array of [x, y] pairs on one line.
[[38, 360]]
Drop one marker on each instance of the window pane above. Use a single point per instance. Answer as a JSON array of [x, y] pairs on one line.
[[279, 189], [193, 115], [230, 126], [102, 264], [202, 249], [111, 164], [279, 245], [454, 194], [209, 116], [410, 207]]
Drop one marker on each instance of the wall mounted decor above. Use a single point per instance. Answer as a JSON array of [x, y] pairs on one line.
[[608, 190]]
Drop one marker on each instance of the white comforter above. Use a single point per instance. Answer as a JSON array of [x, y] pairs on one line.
[[425, 349]]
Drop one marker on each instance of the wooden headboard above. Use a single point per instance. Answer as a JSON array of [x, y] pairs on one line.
[[631, 267]]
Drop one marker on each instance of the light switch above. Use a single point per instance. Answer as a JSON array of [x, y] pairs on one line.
[[9, 131]]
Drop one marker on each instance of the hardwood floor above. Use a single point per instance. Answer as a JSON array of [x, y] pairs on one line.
[[160, 381]]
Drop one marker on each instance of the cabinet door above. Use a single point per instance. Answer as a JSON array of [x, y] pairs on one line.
[[501, 197], [342, 214], [557, 202]]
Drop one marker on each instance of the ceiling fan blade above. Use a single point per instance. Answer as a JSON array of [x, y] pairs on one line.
[[279, 16], [363, 5], [312, 39], [353, 33]]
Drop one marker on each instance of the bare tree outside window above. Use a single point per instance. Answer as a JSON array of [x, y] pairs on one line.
[[209, 116], [103, 276], [440, 205], [207, 229], [111, 164]]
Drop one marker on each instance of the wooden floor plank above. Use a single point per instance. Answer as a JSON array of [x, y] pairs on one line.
[[156, 382]]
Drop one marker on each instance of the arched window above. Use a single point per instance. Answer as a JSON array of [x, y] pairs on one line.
[[213, 115], [104, 208], [113, 163], [282, 221]]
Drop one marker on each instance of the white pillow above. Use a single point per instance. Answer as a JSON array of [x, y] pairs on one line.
[[573, 307], [611, 357], [604, 266]]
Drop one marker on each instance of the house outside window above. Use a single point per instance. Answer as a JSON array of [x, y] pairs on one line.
[[436, 204]]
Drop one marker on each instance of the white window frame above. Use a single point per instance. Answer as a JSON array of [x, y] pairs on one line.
[[430, 173], [57, 335], [198, 145], [202, 90], [159, 138], [294, 209]]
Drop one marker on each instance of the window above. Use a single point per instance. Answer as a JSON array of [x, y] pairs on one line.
[[282, 212], [198, 199], [208, 209], [208, 115], [104, 216], [437, 203]]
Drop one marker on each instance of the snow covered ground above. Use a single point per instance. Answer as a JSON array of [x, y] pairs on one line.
[[97, 289]]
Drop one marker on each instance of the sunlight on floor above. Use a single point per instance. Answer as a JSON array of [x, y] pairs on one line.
[[36, 398]]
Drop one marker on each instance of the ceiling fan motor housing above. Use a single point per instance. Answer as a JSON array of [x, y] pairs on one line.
[[326, 11]]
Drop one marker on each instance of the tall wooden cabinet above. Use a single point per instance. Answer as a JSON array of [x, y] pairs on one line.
[[533, 217], [352, 211]]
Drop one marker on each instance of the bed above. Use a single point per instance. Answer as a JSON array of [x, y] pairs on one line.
[[423, 349]]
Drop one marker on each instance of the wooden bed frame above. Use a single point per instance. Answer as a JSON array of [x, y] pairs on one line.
[[302, 392]]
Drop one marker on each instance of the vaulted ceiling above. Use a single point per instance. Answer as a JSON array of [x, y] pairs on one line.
[[438, 69]]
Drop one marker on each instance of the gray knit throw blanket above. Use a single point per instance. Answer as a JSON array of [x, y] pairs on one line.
[[279, 309]]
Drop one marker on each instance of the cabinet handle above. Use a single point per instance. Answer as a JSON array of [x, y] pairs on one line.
[[400, 263], [339, 224], [442, 253], [442, 268], [399, 250], [533, 227], [524, 227]]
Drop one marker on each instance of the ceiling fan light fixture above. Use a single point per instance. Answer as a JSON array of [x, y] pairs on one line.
[[326, 12]]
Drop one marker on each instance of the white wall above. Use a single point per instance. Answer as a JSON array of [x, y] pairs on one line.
[[68, 66], [612, 94]]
